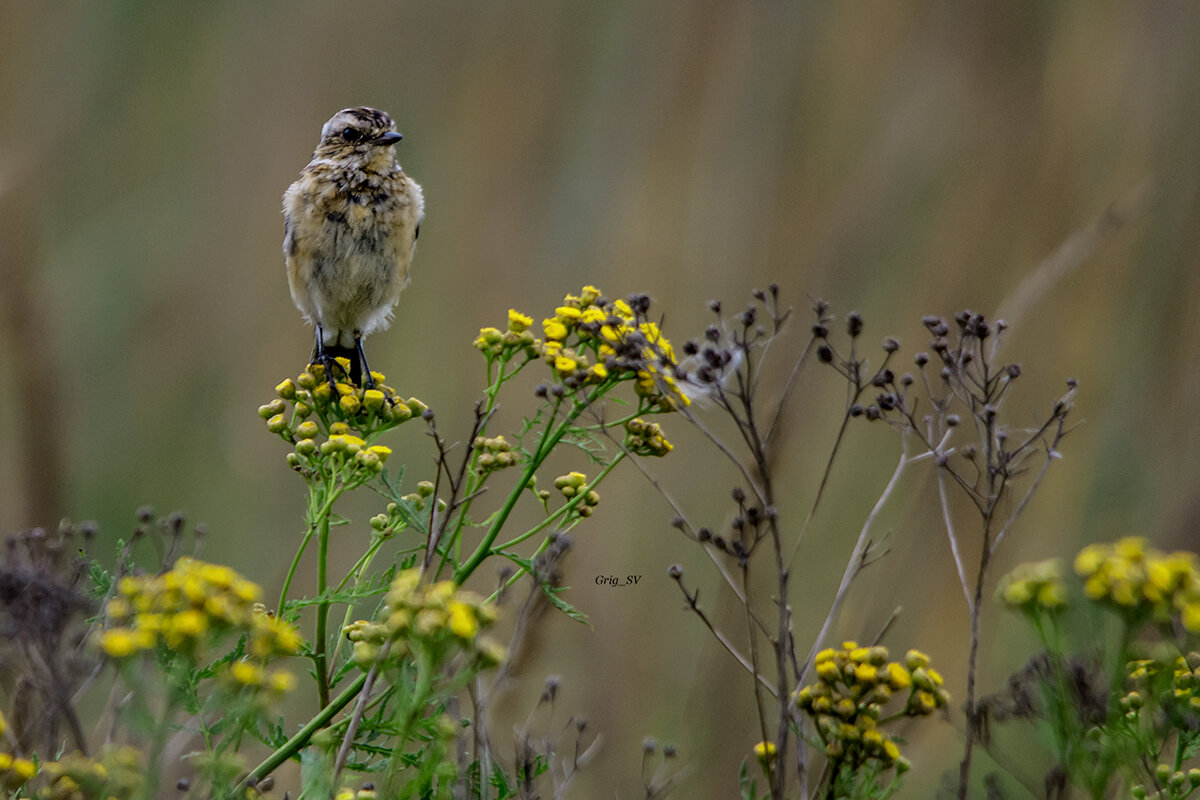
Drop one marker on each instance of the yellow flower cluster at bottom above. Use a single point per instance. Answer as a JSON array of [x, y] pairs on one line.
[[115, 775], [848, 700], [15, 772], [439, 617]]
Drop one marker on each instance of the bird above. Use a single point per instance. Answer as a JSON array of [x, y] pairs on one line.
[[351, 222]]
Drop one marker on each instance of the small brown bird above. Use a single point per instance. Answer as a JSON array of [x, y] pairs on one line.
[[350, 229]]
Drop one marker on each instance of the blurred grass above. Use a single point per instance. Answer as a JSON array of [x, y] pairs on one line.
[[901, 159]]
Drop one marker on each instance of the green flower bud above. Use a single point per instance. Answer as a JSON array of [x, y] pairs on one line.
[[277, 424], [307, 430], [365, 653], [272, 408], [286, 390], [306, 447], [373, 399], [368, 460], [425, 488]]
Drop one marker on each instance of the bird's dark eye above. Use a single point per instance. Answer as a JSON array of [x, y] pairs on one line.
[[351, 135]]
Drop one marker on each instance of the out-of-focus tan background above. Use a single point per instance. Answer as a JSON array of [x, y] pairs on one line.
[[899, 159]]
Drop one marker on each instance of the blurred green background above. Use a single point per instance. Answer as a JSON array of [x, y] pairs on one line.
[[900, 159]]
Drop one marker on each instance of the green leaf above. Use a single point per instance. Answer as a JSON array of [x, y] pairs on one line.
[[101, 578], [552, 594]]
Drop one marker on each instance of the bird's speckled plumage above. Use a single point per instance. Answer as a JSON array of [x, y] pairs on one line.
[[350, 228]]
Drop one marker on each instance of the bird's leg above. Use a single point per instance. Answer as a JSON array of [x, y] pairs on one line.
[[368, 381], [324, 359]]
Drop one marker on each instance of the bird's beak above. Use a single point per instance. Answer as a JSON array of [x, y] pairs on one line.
[[388, 139]]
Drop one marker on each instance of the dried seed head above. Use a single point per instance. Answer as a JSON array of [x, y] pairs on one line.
[[854, 323]]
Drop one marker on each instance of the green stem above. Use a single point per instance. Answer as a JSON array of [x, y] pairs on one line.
[[357, 571], [544, 448], [519, 572], [316, 511], [322, 719], [571, 504], [322, 665], [420, 695]]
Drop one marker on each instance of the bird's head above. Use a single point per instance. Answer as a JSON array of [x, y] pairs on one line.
[[358, 134]]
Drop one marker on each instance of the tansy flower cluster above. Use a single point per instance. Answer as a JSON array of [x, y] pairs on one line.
[[342, 453], [1178, 784], [357, 414], [15, 772], [1141, 582], [494, 453], [193, 605], [574, 484], [646, 438], [435, 620], [847, 702], [591, 340], [419, 497], [1034, 587], [1172, 686], [517, 337], [116, 774]]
